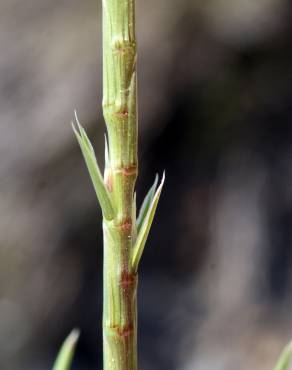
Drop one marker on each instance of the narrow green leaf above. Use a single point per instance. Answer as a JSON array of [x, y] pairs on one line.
[[83, 134], [134, 211], [146, 204], [145, 228], [94, 171], [66, 353], [285, 358]]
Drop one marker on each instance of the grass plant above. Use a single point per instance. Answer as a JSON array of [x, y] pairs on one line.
[[124, 233]]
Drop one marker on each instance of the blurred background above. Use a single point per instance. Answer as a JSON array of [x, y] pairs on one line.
[[215, 105]]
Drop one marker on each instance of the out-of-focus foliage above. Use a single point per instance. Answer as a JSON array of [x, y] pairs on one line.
[[66, 353], [285, 358]]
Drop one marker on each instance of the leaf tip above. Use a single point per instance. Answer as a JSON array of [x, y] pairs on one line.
[[163, 177], [80, 128], [66, 353], [158, 191], [73, 337], [285, 358]]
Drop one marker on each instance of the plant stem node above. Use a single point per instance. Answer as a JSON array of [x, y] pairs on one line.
[[128, 279], [125, 225], [126, 171]]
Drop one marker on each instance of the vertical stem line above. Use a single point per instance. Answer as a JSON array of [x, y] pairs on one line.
[[120, 113]]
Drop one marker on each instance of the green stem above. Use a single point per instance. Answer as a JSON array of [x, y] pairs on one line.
[[124, 236], [120, 113]]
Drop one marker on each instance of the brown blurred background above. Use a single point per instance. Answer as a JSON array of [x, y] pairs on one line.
[[215, 93]]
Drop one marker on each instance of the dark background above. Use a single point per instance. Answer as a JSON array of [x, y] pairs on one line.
[[215, 106]]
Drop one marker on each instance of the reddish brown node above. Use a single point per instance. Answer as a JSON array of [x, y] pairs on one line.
[[126, 225], [123, 113], [127, 279], [126, 331], [127, 171]]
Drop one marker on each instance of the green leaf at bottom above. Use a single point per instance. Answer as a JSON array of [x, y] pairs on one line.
[[66, 353], [285, 358]]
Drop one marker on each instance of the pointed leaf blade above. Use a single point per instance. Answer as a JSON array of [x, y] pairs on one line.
[[145, 228], [83, 134], [94, 171], [66, 353], [146, 204], [134, 210], [285, 358]]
